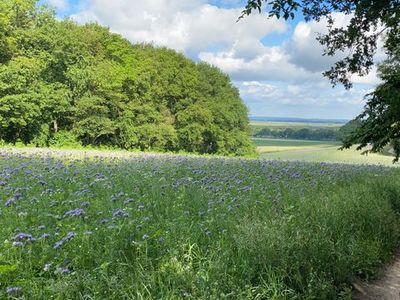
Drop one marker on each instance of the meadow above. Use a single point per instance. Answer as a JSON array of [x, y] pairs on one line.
[[272, 145], [272, 142], [146, 226], [310, 150], [316, 151]]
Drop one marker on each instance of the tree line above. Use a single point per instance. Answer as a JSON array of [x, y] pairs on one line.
[[64, 82], [318, 134]]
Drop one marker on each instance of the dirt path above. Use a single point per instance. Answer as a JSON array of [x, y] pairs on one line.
[[386, 288]]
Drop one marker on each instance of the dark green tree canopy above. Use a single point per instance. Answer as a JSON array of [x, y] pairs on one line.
[[380, 121], [60, 81]]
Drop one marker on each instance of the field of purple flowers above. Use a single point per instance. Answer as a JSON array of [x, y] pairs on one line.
[[180, 227]]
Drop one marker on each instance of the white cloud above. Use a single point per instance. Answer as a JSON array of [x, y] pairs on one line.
[[305, 51], [272, 63], [58, 4], [189, 26], [300, 59], [314, 100], [371, 78], [320, 94]]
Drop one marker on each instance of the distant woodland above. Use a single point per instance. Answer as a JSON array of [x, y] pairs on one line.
[[320, 134], [67, 84], [308, 132]]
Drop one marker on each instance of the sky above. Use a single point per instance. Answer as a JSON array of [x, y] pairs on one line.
[[276, 65]]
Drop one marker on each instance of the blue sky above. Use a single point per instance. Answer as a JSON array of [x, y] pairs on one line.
[[276, 65]]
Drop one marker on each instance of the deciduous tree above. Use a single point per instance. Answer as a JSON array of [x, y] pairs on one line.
[[370, 20]]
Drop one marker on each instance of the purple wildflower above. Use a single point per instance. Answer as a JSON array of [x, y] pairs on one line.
[[11, 201], [58, 244], [14, 290], [23, 237], [129, 200], [85, 204], [63, 270], [70, 235], [18, 244], [17, 195], [120, 213], [140, 207], [75, 212]]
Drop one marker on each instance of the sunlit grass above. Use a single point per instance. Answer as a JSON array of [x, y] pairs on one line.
[[331, 154], [270, 145]]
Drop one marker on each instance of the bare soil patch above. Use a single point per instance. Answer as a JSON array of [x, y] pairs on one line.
[[386, 288]]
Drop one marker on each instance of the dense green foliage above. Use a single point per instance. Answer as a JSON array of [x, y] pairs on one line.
[[319, 134], [380, 121], [65, 83], [346, 130], [370, 20], [175, 227]]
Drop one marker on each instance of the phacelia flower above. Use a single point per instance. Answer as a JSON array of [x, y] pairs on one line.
[[23, 237], [63, 271], [77, 212], [18, 244], [14, 290], [85, 204], [11, 201], [70, 235], [120, 213]]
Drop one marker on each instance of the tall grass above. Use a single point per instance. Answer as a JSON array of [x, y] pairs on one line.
[[175, 227]]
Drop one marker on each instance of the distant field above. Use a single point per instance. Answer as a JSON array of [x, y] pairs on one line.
[[315, 151], [294, 125], [260, 142], [309, 150], [282, 145]]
